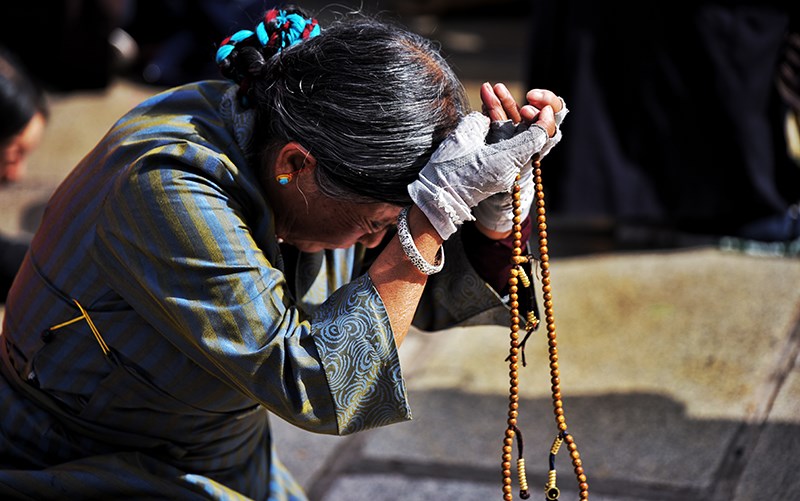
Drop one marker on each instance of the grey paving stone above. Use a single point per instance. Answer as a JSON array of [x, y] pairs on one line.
[[305, 454], [401, 488], [648, 432], [771, 470], [702, 326], [663, 356]]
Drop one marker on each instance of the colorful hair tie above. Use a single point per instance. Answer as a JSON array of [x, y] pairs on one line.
[[277, 31], [227, 45], [261, 33], [287, 29]]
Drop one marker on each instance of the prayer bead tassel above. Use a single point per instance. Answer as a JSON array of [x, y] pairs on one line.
[[523, 479], [523, 277], [551, 491], [556, 445], [531, 321]]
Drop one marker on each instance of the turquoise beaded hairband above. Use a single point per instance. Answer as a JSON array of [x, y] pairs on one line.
[[278, 30]]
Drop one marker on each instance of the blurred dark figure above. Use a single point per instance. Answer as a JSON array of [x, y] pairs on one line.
[[177, 39], [89, 42], [678, 128], [23, 116], [65, 44]]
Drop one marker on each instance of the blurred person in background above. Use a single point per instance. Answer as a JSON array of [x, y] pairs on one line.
[[176, 39], [232, 250], [91, 42], [23, 116], [699, 149], [75, 35]]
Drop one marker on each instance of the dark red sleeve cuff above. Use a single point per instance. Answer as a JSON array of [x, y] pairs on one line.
[[492, 258]]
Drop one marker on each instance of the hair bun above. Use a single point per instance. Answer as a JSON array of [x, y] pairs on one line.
[[280, 29]]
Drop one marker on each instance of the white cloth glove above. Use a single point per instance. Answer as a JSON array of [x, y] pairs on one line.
[[464, 170], [495, 212]]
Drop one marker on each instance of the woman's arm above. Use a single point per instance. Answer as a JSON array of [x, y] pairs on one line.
[[399, 283]]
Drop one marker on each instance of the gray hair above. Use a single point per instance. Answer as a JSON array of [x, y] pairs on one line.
[[371, 101]]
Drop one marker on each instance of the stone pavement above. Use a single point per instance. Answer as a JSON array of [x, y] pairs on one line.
[[680, 371], [680, 378]]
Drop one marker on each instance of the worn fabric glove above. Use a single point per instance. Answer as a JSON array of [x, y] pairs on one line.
[[464, 170], [495, 213]]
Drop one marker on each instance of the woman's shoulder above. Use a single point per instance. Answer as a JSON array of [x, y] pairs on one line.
[[195, 98], [175, 128], [187, 113], [202, 91]]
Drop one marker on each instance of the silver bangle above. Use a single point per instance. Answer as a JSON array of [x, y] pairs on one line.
[[410, 248]]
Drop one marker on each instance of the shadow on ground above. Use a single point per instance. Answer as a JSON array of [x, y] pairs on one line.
[[634, 446]]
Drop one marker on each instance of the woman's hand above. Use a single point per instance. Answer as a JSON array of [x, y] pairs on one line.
[[464, 170], [545, 110], [499, 105]]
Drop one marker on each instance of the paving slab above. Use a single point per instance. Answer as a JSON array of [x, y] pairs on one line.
[[398, 488], [669, 361], [771, 471]]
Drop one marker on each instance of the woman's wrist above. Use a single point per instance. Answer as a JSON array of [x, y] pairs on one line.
[[491, 234], [490, 257], [409, 245]]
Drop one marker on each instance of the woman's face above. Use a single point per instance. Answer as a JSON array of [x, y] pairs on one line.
[[310, 220], [326, 223], [14, 153]]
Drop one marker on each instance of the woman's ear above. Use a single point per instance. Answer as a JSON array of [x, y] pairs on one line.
[[291, 160]]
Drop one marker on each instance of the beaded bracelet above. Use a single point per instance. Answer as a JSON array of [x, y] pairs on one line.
[[410, 248]]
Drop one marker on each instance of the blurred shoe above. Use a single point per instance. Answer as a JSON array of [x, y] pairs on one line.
[[777, 236], [781, 228]]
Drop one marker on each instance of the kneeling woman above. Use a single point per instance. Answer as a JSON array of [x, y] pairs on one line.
[[228, 250]]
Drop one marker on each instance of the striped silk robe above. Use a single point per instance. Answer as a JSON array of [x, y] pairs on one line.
[[191, 335]]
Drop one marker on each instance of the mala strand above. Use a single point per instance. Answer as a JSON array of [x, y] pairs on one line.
[[517, 276]]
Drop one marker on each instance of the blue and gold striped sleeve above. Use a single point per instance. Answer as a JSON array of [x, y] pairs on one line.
[[176, 241]]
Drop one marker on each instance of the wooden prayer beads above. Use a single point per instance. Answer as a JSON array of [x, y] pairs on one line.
[[516, 276]]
